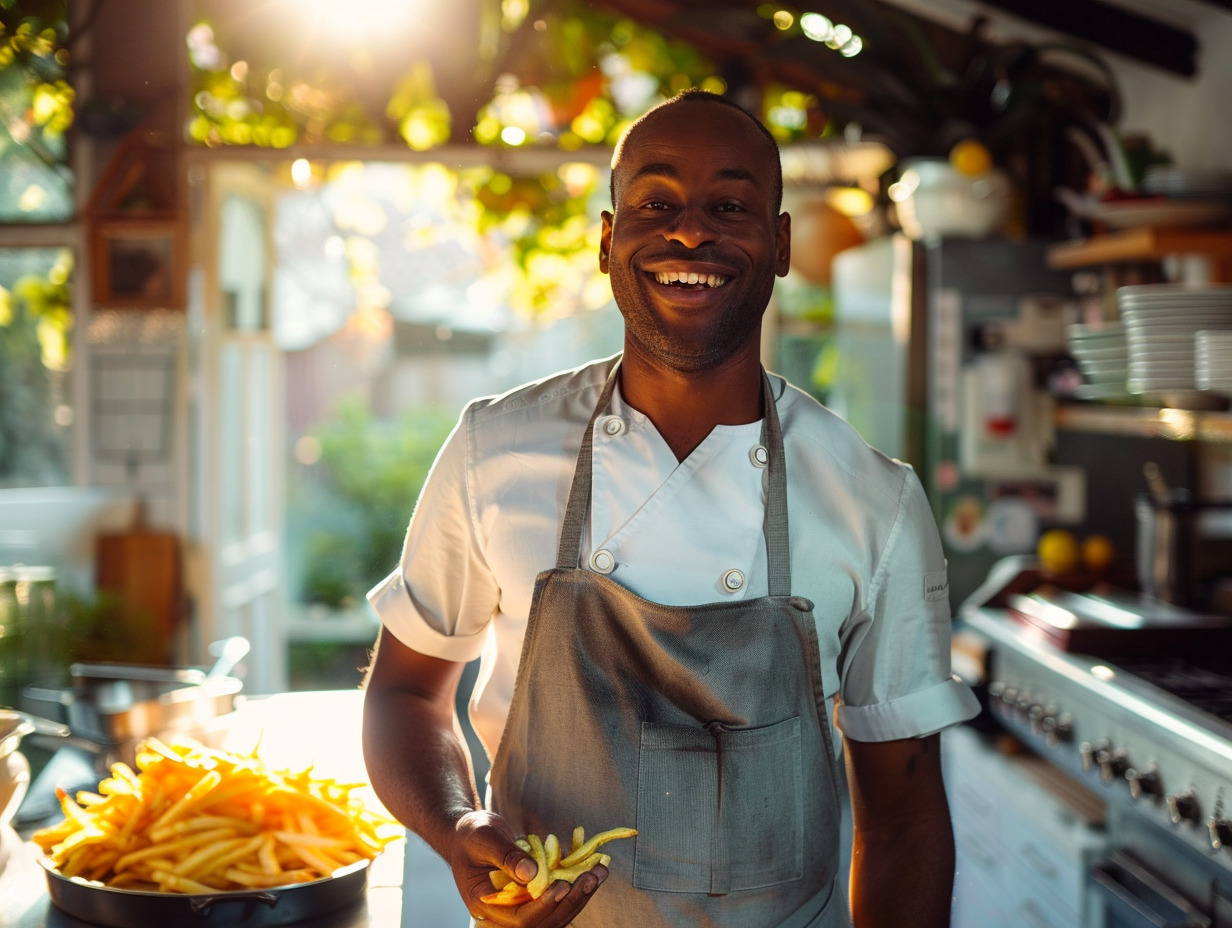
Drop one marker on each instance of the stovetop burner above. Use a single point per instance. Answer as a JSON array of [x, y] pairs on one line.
[[1208, 688], [1150, 732]]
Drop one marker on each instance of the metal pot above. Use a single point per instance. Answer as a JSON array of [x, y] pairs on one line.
[[266, 908], [110, 708]]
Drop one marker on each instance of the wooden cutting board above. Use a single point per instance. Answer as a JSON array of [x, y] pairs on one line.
[[143, 568]]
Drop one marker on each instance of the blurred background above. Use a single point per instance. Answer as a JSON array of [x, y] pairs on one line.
[[254, 257]]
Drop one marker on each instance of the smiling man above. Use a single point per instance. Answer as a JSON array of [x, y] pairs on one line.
[[659, 644]]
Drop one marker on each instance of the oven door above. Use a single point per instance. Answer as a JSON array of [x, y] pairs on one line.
[[1130, 896]]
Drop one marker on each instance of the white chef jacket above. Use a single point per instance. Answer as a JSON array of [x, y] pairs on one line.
[[864, 546]]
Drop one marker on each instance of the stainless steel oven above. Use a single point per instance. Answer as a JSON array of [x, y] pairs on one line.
[[1149, 732]]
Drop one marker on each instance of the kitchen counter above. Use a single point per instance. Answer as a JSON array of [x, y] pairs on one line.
[[295, 730]]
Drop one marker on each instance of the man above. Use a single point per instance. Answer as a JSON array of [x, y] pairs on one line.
[[608, 697]]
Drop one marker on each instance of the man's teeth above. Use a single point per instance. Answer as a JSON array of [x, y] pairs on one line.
[[678, 277]]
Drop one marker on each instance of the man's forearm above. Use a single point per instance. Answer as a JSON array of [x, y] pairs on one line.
[[902, 868], [903, 875], [415, 752]]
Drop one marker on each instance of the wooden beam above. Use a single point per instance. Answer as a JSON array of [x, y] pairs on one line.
[[1114, 28]]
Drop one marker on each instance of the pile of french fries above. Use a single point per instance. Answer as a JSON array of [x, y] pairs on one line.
[[554, 864], [193, 819]]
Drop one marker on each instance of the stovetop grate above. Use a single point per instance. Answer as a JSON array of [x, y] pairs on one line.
[[1208, 688]]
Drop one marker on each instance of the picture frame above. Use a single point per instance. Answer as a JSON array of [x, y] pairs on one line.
[[138, 263]]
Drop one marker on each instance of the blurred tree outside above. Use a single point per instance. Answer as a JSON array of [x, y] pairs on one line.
[[348, 512], [35, 322], [36, 110]]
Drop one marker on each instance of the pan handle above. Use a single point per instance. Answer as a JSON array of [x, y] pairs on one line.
[[202, 904]]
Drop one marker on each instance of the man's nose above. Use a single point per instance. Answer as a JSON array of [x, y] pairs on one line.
[[692, 228]]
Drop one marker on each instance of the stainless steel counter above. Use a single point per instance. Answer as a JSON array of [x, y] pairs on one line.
[[296, 729]]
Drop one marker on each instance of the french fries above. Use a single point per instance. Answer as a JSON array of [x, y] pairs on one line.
[[583, 855], [193, 819]]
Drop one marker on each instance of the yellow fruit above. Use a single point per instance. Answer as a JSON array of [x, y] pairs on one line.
[[1097, 552], [1057, 551], [971, 158]]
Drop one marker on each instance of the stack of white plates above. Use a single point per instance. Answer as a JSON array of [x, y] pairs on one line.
[[1213, 361], [1187, 183], [1102, 353], [1161, 321]]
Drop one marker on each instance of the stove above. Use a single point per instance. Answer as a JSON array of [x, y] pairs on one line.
[[1149, 733]]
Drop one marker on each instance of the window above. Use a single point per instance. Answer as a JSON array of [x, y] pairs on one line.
[[35, 364]]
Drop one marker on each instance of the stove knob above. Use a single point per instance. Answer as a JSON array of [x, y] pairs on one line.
[[1058, 729], [1089, 752], [1144, 782], [1184, 807], [1009, 697], [995, 689], [1113, 762], [1035, 715], [1221, 833]]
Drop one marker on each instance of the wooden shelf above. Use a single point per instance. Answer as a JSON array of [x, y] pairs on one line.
[[1145, 422], [1146, 243]]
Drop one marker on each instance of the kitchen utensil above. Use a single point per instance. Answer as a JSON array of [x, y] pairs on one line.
[[111, 707], [131, 908], [1171, 557]]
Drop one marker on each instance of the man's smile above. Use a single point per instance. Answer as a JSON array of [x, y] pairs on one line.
[[690, 279]]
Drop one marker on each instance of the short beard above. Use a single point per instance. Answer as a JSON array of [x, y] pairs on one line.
[[726, 338]]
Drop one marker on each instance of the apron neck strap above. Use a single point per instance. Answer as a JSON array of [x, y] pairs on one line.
[[774, 525]]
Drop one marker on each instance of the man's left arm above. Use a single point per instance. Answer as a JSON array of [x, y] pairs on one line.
[[902, 867]]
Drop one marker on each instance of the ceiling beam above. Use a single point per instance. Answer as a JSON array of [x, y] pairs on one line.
[[1115, 29]]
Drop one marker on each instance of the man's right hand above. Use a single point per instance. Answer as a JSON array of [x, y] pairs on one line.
[[484, 842]]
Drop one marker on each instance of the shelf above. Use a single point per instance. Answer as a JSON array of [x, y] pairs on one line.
[[1145, 422], [1145, 243]]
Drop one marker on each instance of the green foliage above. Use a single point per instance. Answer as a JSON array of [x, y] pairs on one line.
[[370, 474], [35, 319], [96, 628], [32, 74]]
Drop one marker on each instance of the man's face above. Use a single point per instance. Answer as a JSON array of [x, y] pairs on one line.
[[694, 245]]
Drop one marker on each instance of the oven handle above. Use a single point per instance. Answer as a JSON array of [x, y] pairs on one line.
[[1138, 893]]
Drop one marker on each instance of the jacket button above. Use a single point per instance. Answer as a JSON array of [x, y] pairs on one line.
[[759, 456], [603, 561], [733, 581], [613, 425]]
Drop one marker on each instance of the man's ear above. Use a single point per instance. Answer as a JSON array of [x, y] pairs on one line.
[[605, 241], [782, 242]]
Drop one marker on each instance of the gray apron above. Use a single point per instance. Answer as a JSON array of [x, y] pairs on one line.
[[705, 727]]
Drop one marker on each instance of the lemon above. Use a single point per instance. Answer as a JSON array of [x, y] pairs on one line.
[[971, 158], [1057, 551], [1097, 552]]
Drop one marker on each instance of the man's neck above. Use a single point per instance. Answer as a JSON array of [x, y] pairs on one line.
[[686, 406]]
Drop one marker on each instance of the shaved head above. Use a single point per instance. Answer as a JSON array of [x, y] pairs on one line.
[[697, 96]]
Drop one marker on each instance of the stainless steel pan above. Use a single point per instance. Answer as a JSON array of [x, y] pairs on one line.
[[266, 908]]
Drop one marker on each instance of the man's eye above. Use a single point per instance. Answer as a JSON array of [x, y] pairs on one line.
[[730, 208], [656, 204]]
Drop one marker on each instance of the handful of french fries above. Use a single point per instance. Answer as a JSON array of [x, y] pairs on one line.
[[193, 819], [554, 864]]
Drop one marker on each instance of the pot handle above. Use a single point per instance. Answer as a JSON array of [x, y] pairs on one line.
[[201, 905]]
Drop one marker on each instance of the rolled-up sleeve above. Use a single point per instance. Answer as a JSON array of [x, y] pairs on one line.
[[441, 597], [895, 660]]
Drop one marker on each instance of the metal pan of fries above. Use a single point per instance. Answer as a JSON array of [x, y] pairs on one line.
[[267, 908], [198, 836]]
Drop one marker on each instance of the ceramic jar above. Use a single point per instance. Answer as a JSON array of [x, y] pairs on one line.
[[935, 201]]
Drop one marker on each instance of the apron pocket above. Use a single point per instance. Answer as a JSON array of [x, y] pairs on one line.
[[719, 813]]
